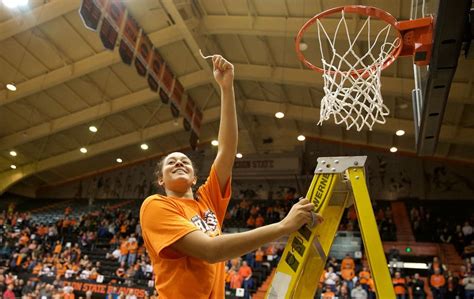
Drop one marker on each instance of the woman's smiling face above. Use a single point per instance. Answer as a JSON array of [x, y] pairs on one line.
[[177, 173]]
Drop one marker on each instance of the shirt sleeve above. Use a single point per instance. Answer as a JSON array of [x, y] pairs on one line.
[[211, 192], [163, 224]]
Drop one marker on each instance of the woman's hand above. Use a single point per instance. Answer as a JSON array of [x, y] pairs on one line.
[[223, 71], [301, 213]]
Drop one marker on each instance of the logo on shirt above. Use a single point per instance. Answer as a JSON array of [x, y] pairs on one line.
[[208, 225]]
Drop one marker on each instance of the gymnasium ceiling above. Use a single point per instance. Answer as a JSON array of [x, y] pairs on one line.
[[66, 81]]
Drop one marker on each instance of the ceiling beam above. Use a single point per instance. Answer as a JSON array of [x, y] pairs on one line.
[[10, 177], [37, 16], [391, 86], [449, 134], [82, 67], [281, 26]]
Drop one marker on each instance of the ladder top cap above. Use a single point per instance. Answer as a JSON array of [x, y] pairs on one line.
[[339, 164]]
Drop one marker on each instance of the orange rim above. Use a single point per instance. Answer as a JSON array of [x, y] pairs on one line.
[[357, 9]]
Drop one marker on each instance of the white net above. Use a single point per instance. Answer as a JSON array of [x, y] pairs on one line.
[[351, 80]]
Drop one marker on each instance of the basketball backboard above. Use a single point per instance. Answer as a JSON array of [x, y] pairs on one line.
[[433, 82]]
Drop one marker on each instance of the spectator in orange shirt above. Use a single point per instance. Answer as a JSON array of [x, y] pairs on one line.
[[123, 251], [246, 273], [251, 222], [260, 221], [399, 286], [347, 260], [58, 248], [328, 293], [437, 283], [364, 277], [347, 275]]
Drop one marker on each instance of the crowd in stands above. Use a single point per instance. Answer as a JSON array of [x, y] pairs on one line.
[[441, 227], [39, 259]]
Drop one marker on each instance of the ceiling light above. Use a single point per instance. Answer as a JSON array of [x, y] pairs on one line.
[[13, 153], [14, 3], [239, 156], [11, 86], [83, 150], [93, 129], [393, 149], [400, 133], [144, 146], [119, 160], [279, 115], [301, 138], [215, 142], [303, 46], [13, 166]]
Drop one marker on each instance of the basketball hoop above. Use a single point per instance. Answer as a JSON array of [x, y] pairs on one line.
[[352, 80]]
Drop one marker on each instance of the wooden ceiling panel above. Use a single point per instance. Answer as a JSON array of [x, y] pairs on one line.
[[91, 38], [41, 48], [19, 116], [109, 83], [251, 89], [149, 14], [232, 48], [66, 39], [128, 75], [66, 97], [19, 58], [179, 58]]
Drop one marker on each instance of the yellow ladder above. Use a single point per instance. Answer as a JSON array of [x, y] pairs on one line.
[[337, 182]]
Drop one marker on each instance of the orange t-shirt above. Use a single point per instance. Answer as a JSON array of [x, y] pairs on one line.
[[399, 285], [166, 219], [347, 274], [347, 261], [437, 280], [364, 277], [245, 271]]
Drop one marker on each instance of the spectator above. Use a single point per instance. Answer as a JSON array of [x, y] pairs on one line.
[[364, 277], [9, 294], [437, 283], [331, 278], [399, 284], [246, 273], [358, 292], [132, 250], [417, 287], [468, 283], [348, 275], [347, 260]]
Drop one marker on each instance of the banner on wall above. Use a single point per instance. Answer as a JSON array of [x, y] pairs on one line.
[[135, 46]]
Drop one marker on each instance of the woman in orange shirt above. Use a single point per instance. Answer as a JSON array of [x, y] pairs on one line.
[[182, 230]]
